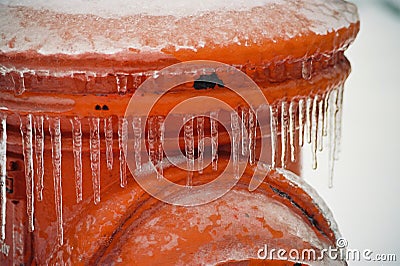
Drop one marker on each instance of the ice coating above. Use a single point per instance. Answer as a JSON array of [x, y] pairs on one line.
[[102, 8], [236, 210], [53, 27], [301, 183]]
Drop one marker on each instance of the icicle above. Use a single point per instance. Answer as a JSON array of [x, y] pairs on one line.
[[160, 144], [77, 152], [333, 110], [94, 123], [214, 139], [26, 133], [314, 129], [152, 139], [235, 143], [155, 139], [39, 148], [252, 137], [137, 141], [306, 70], [292, 125], [320, 124], [55, 133], [284, 131], [200, 143], [189, 147], [122, 82], [137, 80], [273, 114], [18, 90], [308, 118], [338, 133], [244, 131], [108, 136], [326, 114], [301, 121], [3, 174], [156, 74], [123, 147], [22, 86]]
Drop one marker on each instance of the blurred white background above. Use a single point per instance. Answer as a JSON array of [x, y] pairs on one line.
[[365, 198]]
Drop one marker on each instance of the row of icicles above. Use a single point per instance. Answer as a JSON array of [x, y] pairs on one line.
[[121, 79], [304, 120]]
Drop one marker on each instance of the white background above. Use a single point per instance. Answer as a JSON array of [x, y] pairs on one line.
[[365, 198]]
